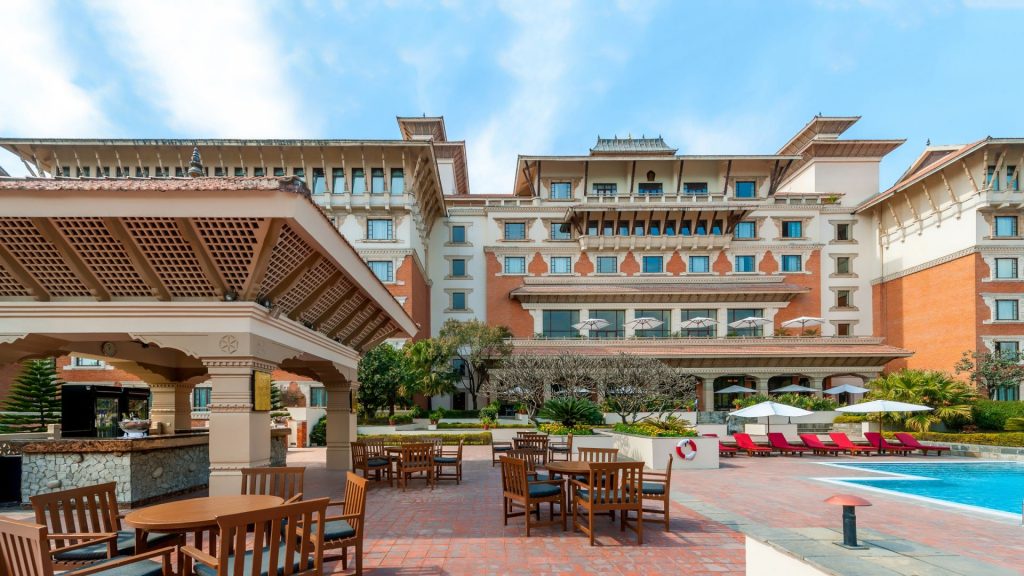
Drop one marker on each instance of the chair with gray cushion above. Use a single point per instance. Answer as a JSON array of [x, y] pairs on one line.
[[363, 459], [519, 492], [347, 530], [656, 487], [25, 551], [449, 458]]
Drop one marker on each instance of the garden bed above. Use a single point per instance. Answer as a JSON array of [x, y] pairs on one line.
[[473, 439]]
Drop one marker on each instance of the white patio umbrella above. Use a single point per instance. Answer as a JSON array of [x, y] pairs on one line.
[[698, 323], [644, 323], [734, 389], [749, 322], [846, 389], [882, 407], [793, 388], [803, 321], [591, 324], [769, 409]]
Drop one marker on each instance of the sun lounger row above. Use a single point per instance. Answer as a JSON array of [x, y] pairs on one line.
[[841, 444]]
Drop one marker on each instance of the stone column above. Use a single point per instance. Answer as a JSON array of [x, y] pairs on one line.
[[239, 437], [708, 401], [818, 383], [761, 382], [171, 407], [341, 425]]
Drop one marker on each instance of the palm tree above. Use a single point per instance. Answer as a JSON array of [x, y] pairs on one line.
[[949, 398]]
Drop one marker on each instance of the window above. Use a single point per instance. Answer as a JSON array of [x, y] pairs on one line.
[[319, 181], [654, 228], [604, 189], [278, 171], [843, 329], [1006, 267], [561, 265], [670, 228], [607, 264], [515, 230], [88, 362], [397, 181], [792, 263], [458, 300], [1006, 310], [616, 323], [699, 265], [127, 172], [695, 188], [561, 190], [338, 180], [83, 172], [201, 399], [240, 172], [1012, 179], [746, 189], [792, 229], [844, 299], [592, 226], [650, 189], [144, 172], [843, 232], [991, 178], [608, 228], [318, 397], [638, 228], [558, 323], [379, 230], [515, 265], [383, 269], [104, 171], [1006, 226], [736, 314], [702, 228], [358, 181], [299, 173], [653, 264], [744, 264], [458, 234], [623, 228], [662, 331], [716, 227], [708, 331], [745, 230], [458, 268], [376, 180], [259, 172], [1009, 349]]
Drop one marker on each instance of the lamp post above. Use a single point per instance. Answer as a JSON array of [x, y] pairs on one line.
[[849, 503]]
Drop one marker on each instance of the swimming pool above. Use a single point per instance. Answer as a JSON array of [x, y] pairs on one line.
[[991, 485]]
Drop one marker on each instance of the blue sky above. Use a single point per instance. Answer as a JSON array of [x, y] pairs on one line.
[[515, 77]]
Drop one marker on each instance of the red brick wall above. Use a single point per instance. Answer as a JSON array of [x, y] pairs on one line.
[[8, 372], [629, 265], [584, 266], [808, 304], [984, 312], [721, 265], [92, 375], [502, 310], [675, 265], [411, 284]]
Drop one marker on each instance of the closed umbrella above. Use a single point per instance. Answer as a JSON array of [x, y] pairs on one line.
[[793, 388], [769, 409], [882, 407], [644, 323], [591, 324]]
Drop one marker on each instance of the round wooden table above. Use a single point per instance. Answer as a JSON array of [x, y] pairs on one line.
[[568, 468]]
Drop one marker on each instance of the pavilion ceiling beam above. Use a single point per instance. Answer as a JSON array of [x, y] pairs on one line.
[[71, 257], [333, 308], [14, 268], [188, 232], [261, 258], [151, 278], [372, 318], [378, 337], [369, 334], [348, 319], [295, 276], [315, 295]]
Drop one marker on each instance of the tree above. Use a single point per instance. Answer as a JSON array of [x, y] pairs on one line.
[[383, 379], [479, 346], [430, 368], [34, 400], [275, 398], [632, 384], [520, 379], [574, 376], [949, 398], [991, 373]]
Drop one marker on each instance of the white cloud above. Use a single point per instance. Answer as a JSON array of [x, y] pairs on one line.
[[215, 67], [38, 96]]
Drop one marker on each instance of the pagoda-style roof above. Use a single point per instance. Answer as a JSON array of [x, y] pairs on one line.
[[630, 145]]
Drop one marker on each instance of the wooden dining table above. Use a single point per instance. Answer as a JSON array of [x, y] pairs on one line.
[[568, 467]]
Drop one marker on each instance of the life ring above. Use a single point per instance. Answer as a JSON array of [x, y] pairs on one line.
[[687, 449]]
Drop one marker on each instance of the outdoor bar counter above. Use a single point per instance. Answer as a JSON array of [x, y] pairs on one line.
[[145, 469]]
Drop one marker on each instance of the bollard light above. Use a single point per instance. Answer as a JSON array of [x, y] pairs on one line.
[[849, 503]]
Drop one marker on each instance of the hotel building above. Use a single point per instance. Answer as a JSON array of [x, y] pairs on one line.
[[912, 276]]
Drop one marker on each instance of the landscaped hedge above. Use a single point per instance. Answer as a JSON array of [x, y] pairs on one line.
[[400, 419], [1015, 439], [556, 429], [476, 425], [992, 414], [475, 439], [461, 413]]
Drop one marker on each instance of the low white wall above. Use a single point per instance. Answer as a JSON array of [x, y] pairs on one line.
[[788, 430], [612, 418], [654, 452], [764, 560], [721, 430]]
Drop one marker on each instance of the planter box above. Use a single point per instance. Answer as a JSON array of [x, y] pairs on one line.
[[654, 452]]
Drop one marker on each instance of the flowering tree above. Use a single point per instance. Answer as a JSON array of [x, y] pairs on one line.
[[991, 372], [521, 379], [633, 384]]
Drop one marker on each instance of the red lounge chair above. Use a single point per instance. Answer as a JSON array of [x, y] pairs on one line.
[[879, 443], [847, 445], [911, 442], [743, 442], [723, 450], [814, 443], [779, 442]]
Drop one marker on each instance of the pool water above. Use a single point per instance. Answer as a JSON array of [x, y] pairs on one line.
[[996, 486]]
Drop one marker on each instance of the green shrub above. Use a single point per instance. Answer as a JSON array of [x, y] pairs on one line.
[[669, 428], [477, 425], [812, 403], [438, 414], [993, 414], [556, 429], [851, 418], [318, 435], [419, 412], [1015, 425], [1014, 439], [474, 439], [571, 411], [490, 411], [399, 419], [462, 413]]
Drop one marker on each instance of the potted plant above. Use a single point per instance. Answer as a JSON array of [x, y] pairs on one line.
[[487, 422], [436, 417]]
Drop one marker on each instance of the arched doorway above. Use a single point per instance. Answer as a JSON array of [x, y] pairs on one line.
[[783, 380], [725, 401]]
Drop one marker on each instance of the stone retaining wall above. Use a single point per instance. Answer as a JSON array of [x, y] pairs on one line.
[[982, 451]]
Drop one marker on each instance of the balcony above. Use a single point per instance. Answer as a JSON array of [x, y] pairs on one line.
[[656, 243]]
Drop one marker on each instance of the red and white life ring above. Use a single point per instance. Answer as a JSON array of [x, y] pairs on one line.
[[687, 449]]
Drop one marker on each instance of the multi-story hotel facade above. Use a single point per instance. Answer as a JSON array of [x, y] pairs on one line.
[[912, 276]]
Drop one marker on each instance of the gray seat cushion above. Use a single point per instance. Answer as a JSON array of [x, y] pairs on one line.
[[542, 490], [445, 460], [538, 476], [140, 568], [377, 462], [501, 448], [204, 570], [615, 496], [653, 488], [125, 547], [337, 530], [555, 448]]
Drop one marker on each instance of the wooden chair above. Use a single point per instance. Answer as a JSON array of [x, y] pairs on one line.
[[282, 481], [449, 458], [610, 487], [25, 551], [416, 458], [533, 461], [535, 443], [347, 530], [499, 449], [563, 449], [530, 434], [656, 487], [81, 514], [598, 455], [362, 460], [280, 545], [519, 490]]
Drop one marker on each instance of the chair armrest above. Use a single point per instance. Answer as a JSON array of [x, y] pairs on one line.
[[556, 482], [335, 503], [199, 555], [88, 538], [103, 567], [579, 484]]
